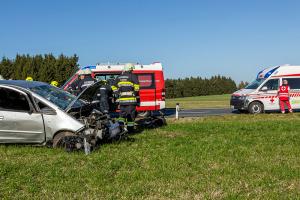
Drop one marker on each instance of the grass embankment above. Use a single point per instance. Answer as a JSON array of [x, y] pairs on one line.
[[239, 156], [212, 101]]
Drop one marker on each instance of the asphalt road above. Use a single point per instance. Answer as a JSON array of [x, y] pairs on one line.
[[170, 112]]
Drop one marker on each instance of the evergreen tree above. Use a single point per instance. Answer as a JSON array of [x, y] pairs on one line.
[[197, 86], [43, 68]]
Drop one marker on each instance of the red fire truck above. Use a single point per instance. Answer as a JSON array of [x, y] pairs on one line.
[[151, 79]]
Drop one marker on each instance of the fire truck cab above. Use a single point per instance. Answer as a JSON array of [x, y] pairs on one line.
[[151, 80]]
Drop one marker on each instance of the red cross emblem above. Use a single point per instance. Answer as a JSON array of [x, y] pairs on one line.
[[272, 100]]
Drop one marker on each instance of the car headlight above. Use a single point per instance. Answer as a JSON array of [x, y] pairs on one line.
[[242, 98]]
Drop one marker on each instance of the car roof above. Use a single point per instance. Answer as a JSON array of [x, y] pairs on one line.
[[22, 83]]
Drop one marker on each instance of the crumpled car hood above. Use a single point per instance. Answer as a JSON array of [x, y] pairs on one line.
[[88, 95]]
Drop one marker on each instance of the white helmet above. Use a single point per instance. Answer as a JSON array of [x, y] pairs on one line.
[[80, 72], [128, 67], [87, 71]]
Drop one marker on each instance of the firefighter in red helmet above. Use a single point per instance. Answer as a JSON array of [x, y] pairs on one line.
[[284, 96]]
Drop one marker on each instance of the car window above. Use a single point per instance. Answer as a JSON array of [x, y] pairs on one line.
[[13, 100], [146, 81], [294, 83], [105, 77], [41, 105], [271, 84], [55, 95]]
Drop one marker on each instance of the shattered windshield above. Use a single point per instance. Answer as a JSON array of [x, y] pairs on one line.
[[255, 84], [56, 95]]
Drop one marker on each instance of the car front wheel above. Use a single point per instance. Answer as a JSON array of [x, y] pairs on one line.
[[59, 139], [256, 108]]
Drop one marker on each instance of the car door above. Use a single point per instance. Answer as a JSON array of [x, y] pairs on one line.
[[268, 94], [19, 123]]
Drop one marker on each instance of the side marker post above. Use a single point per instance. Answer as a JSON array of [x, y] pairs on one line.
[[177, 111]]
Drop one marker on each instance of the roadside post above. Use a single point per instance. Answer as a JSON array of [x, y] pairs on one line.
[[177, 111], [87, 147]]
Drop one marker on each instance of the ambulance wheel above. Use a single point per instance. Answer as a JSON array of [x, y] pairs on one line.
[[256, 108], [144, 114]]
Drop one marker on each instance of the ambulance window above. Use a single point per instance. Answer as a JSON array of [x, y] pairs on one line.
[[146, 81], [271, 84], [255, 84], [294, 83]]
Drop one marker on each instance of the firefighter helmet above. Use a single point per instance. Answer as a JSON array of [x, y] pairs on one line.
[[54, 83], [29, 78], [87, 71], [80, 72], [128, 67]]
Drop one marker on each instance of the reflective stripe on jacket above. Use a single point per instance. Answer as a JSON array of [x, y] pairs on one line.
[[127, 100], [127, 86], [126, 94], [136, 87]]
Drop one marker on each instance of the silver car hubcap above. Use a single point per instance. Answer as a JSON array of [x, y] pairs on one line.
[[256, 109]]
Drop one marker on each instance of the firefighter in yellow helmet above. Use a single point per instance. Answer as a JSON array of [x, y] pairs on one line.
[[54, 83], [126, 87], [29, 78]]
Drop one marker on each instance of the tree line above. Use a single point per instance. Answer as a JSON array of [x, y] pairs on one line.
[[45, 68], [242, 84], [197, 86]]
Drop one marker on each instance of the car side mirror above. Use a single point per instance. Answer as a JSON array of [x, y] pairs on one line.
[[264, 89], [48, 111]]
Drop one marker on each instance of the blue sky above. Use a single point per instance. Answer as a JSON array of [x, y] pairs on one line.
[[190, 38]]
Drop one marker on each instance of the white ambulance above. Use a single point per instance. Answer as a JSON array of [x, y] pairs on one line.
[[261, 95]]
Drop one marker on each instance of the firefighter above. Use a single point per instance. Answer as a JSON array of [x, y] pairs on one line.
[[29, 78], [105, 95], [54, 83], [126, 86], [84, 81], [284, 96]]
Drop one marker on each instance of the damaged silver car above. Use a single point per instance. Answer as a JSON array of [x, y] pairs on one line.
[[38, 113]]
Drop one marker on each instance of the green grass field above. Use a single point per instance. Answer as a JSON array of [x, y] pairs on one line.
[[230, 157], [212, 101]]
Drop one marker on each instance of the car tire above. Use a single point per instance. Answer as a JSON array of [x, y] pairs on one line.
[[59, 138], [256, 108], [144, 114]]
